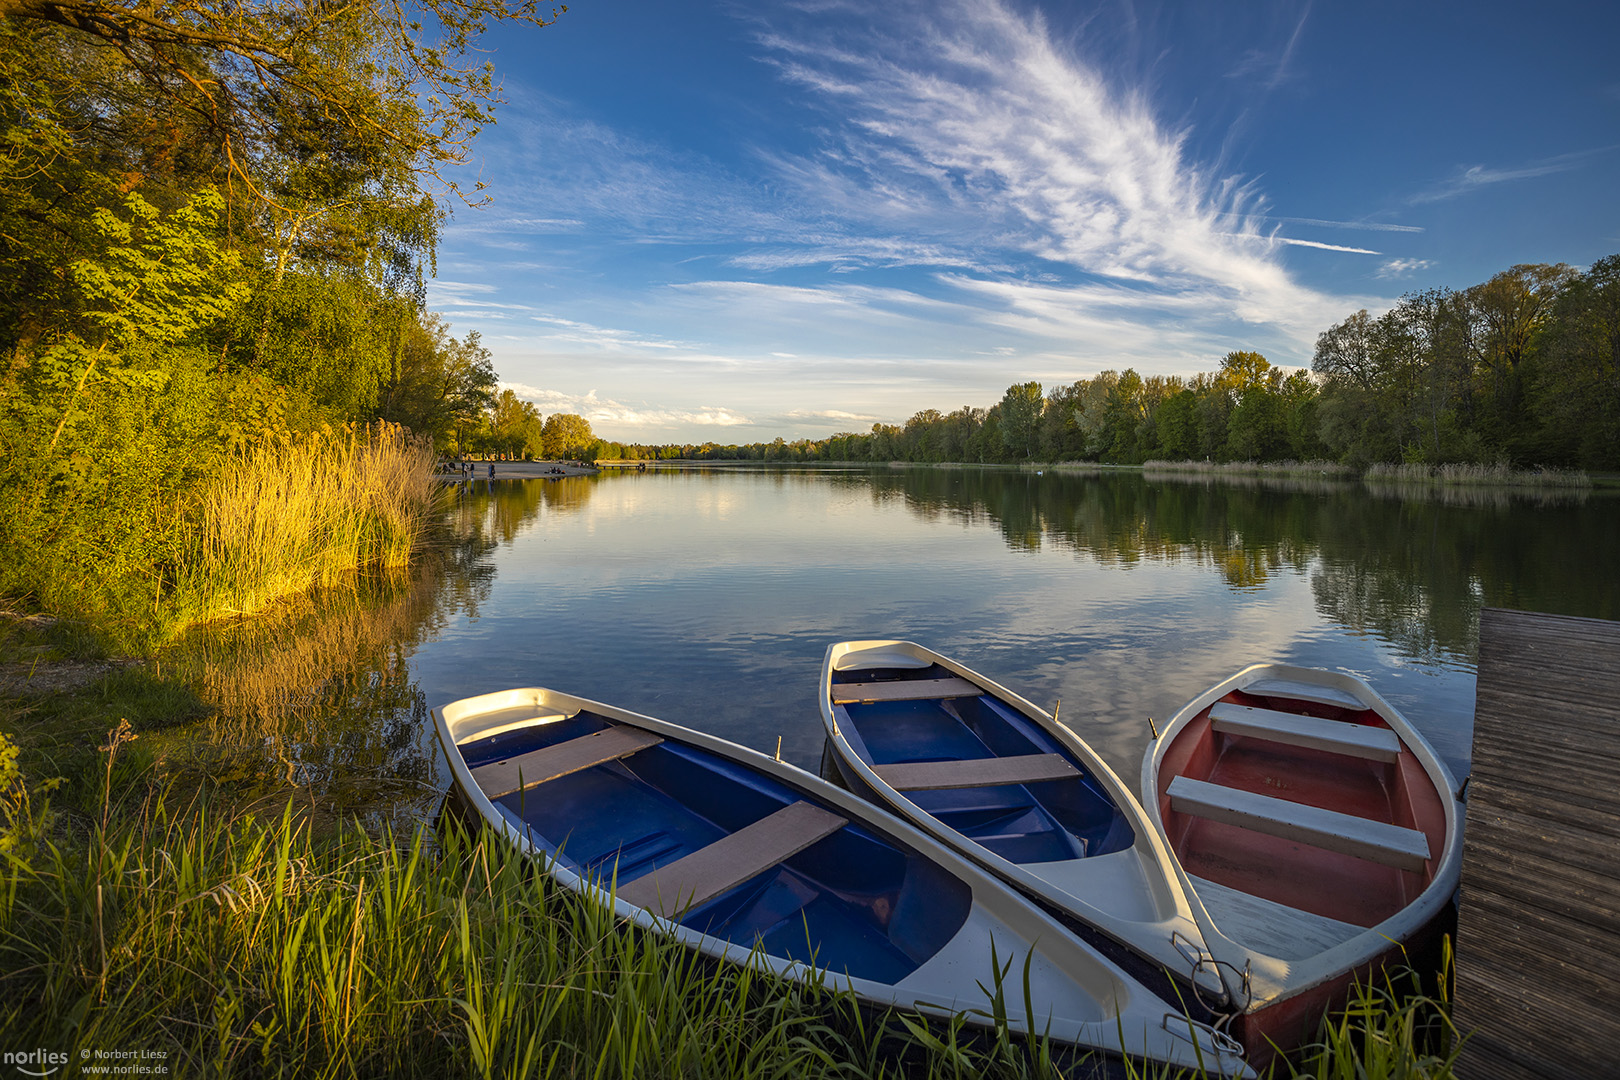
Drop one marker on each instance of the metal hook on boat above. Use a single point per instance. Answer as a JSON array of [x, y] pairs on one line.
[[1055, 709], [1153, 728], [779, 748], [1220, 1042]]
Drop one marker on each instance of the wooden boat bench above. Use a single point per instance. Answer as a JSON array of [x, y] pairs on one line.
[[550, 762], [1336, 736], [976, 772], [903, 690], [1376, 841], [731, 860]]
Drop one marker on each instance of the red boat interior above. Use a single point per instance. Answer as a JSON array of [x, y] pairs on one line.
[[1346, 887]]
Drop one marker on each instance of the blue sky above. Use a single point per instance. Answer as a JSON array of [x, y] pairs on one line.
[[731, 222]]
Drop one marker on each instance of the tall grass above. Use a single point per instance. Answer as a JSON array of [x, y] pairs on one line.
[[1252, 468], [237, 945], [296, 512], [1498, 475], [252, 948], [1389, 1030], [239, 948]]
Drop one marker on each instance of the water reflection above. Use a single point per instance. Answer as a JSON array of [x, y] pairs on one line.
[[708, 597], [1411, 564], [317, 698]]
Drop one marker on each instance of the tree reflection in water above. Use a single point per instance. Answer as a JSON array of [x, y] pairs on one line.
[[1413, 565], [319, 699], [317, 696]]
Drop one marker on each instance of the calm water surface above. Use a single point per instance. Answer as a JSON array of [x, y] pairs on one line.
[[708, 599]]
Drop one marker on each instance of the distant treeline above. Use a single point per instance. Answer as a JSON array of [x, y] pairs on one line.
[[1520, 369]]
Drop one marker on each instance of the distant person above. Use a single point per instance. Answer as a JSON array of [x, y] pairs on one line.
[[492, 470]]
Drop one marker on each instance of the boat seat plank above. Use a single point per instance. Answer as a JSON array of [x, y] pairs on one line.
[[1335, 736], [1376, 841], [1305, 691], [550, 762], [976, 772], [903, 690], [1269, 927], [731, 860]]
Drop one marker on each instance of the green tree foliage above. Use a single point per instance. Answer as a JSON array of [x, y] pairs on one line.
[[567, 435], [1575, 382], [439, 385], [215, 224], [1450, 377], [1506, 315], [516, 427], [1021, 409]]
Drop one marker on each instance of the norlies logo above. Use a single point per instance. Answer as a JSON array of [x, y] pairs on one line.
[[43, 1062]]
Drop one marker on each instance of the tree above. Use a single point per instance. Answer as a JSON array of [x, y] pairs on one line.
[[567, 435], [1176, 422], [515, 427], [1242, 371], [322, 126], [1300, 396], [1506, 314], [260, 75], [922, 438], [1575, 387], [1344, 352], [1123, 416], [440, 386], [1091, 413], [1255, 429], [1021, 416]]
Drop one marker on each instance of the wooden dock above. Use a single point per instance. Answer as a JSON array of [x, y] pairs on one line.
[[1538, 937]]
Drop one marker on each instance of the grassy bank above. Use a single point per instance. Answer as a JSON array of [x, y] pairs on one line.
[[1434, 475], [1479, 475], [252, 948], [295, 513], [1252, 468], [140, 549], [266, 938]]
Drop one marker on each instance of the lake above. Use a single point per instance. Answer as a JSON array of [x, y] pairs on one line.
[[708, 597]]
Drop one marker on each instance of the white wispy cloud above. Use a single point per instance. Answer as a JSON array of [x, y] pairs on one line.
[[621, 415], [973, 118], [1472, 178], [579, 333], [444, 295], [829, 414], [1372, 226], [1273, 67], [979, 206], [1290, 241], [1400, 268]]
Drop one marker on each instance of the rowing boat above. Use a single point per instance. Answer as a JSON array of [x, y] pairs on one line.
[[1017, 792], [1317, 832], [751, 860]]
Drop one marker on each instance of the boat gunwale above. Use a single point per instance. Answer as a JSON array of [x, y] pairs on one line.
[[1148, 843], [1274, 980], [1107, 1035]]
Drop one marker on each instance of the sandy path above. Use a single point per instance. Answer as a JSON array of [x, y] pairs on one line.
[[525, 470]]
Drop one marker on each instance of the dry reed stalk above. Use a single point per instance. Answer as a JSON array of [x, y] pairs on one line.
[[293, 513], [1497, 475]]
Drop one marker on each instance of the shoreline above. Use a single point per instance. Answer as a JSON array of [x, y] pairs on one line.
[[521, 470]]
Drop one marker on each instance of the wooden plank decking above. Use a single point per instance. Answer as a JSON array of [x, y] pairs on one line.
[[1538, 937]]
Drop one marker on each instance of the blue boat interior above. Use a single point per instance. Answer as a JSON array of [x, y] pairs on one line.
[[855, 901], [1023, 823]]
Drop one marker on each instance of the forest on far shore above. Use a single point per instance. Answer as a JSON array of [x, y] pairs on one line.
[[1520, 370]]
